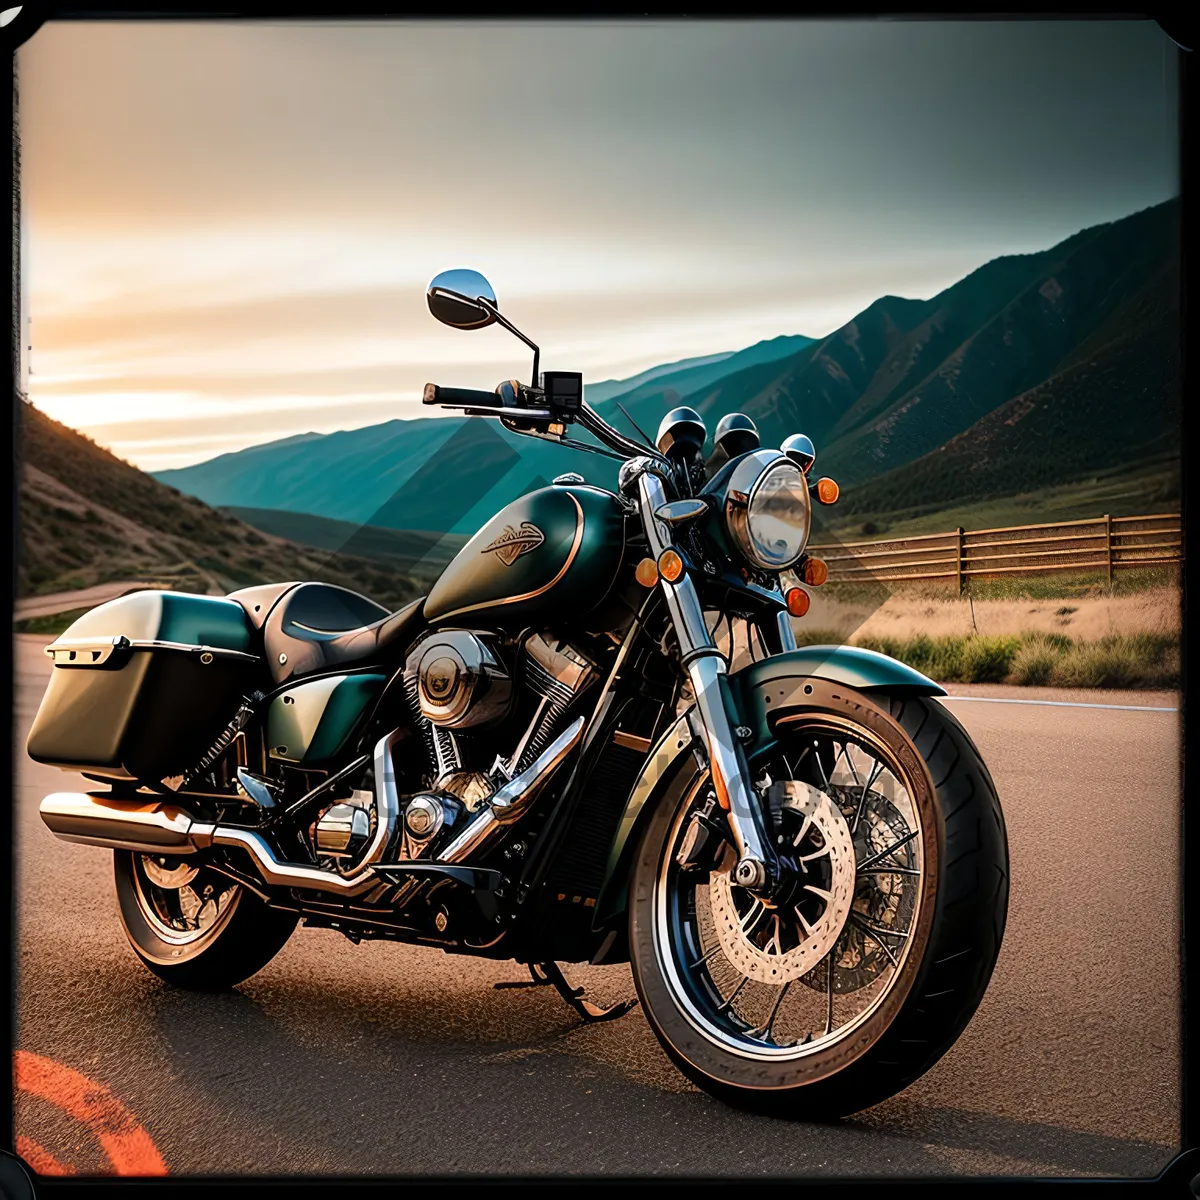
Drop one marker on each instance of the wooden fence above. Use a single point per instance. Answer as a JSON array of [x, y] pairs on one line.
[[1105, 543]]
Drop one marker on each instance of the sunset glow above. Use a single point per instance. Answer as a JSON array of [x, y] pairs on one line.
[[230, 226]]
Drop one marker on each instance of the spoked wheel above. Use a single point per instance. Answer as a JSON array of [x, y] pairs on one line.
[[816, 1002], [192, 925]]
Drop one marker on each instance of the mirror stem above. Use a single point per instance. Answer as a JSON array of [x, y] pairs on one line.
[[501, 320]]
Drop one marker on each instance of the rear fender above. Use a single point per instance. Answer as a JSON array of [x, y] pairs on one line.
[[758, 693]]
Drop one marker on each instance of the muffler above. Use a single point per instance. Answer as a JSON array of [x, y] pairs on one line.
[[96, 819], [162, 828]]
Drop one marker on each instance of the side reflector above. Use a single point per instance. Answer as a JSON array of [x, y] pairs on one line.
[[646, 573], [827, 491], [798, 601], [670, 565], [815, 572]]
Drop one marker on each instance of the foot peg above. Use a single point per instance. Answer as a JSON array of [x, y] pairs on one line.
[[550, 975]]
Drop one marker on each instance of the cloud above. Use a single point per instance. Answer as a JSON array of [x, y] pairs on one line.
[[232, 224]]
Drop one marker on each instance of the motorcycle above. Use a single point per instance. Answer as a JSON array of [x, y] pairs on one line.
[[553, 757]]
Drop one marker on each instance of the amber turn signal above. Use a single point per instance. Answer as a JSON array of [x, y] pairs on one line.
[[827, 490], [815, 572], [798, 601], [670, 565], [646, 573]]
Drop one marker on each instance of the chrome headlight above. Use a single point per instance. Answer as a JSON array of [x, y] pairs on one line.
[[767, 509]]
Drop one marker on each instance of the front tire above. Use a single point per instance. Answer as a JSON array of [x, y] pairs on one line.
[[192, 926], [918, 971]]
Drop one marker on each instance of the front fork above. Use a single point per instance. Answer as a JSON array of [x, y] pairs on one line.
[[757, 866]]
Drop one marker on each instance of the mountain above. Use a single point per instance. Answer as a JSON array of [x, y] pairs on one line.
[[410, 551], [607, 388], [435, 474], [905, 376], [1114, 400], [1044, 366], [87, 517]]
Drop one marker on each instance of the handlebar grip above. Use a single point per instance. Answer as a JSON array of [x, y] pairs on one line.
[[466, 397]]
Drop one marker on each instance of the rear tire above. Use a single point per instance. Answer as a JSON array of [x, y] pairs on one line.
[[241, 936], [935, 991]]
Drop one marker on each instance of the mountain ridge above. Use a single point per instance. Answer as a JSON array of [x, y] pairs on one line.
[[887, 389]]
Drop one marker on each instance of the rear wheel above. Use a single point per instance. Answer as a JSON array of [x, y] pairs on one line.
[[193, 926], [842, 991]]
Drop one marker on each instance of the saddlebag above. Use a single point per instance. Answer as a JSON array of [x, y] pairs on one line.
[[142, 686]]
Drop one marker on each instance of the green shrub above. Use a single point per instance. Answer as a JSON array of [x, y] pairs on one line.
[[1034, 662], [1119, 660], [987, 659], [817, 637], [1093, 664]]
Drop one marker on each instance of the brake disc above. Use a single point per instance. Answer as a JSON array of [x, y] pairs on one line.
[[759, 955], [886, 902]]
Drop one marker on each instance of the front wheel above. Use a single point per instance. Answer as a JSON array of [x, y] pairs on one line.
[[844, 989], [193, 926]]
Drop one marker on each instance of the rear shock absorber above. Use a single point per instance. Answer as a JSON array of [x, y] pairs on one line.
[[225, 739]]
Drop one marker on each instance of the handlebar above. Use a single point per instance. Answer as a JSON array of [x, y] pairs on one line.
[[588, 418], [463, 397]]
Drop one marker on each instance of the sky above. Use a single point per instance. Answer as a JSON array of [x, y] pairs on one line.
[[229, 226]]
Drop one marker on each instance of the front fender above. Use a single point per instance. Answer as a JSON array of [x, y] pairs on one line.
[[755, 691]]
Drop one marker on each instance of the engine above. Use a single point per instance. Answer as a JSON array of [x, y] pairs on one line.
[[482, 723]]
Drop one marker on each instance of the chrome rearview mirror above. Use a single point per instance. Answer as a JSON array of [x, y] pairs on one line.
[[453, 298]]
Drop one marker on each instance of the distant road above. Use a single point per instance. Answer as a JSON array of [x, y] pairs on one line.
[[59, 602], [338, 1059]]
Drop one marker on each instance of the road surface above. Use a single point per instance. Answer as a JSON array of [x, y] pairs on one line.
[[59, 602], [385, 1059]]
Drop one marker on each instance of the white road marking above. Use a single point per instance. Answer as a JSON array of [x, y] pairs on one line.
[[1062, 703]]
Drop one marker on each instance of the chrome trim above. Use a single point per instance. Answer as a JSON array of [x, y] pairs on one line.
[[680, 512], [561, 660], [478, 691], [102, 649], [521, 414], [746, 481], [787, 635], [510, 803], [706, 669], [88, 819], [342, 829], [149, 826]]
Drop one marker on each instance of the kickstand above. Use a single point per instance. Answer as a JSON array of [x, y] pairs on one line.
[[535, 980], [552, 976]]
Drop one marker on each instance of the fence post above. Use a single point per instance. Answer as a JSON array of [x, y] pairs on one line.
[[960, 560], [1108, 546]]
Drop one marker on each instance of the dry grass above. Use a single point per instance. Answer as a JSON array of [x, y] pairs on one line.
[[908, 614], [1148, 660]]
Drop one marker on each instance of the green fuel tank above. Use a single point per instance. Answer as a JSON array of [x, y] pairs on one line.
[[557, 550]]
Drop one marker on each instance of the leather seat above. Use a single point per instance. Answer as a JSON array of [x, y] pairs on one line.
[[319, 626]]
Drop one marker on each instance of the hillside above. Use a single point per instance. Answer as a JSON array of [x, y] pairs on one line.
[[87, 517], [1034, 371], [1114, 402], [410, 551], [432, 474]]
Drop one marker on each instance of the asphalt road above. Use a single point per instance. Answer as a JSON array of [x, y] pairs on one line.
[[59, 602], [338, 1059]]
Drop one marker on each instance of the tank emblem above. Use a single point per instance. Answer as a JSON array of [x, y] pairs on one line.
[[512, 543]]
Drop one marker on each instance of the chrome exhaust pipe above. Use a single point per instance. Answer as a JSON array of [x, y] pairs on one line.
[[95, 819], [510, 802], [158, 827]]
